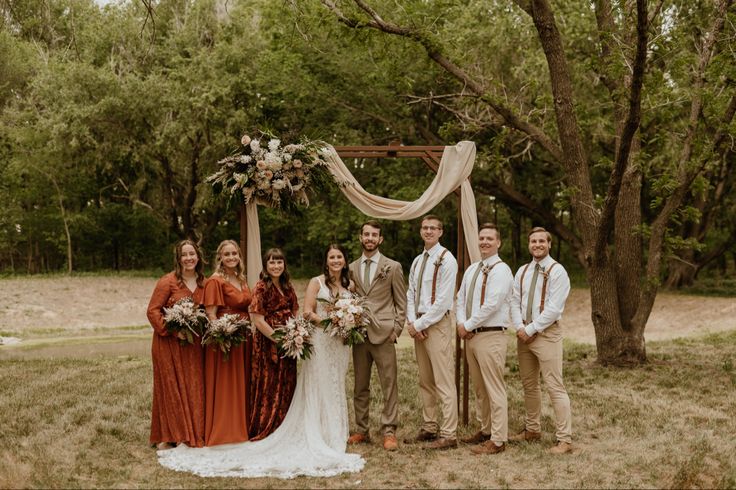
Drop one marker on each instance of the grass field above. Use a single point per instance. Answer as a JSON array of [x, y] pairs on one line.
[[83, 422]]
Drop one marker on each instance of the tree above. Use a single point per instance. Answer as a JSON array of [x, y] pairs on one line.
[[620, 239]]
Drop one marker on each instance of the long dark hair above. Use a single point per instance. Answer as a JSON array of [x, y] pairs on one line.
[[344, 273], [285, 278], [199, 268]]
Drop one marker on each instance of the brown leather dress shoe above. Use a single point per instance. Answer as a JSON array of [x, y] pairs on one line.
[[422, 436], [560, 448], [525, 435], [488, 447], [359, 438], [390, 443], [477, 438], [442, 443]]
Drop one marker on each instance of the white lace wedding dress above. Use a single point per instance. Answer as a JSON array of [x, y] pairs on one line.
[[312, 439]]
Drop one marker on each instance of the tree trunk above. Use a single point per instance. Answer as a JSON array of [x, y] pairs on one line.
[[616, 345]]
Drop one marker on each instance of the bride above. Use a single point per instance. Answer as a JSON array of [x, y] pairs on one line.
[[311, 440]]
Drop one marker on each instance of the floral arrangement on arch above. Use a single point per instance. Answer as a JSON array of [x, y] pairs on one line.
[[273, 174]]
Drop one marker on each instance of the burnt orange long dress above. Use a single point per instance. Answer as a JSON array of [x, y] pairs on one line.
[[177, 412], [226, 382], [273, 379]]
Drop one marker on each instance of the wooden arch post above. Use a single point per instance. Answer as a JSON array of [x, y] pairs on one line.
[[431, 156]]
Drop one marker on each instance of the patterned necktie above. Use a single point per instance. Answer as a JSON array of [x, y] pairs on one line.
[[367, 273], [530, 296], [471, 292], [419, 282]]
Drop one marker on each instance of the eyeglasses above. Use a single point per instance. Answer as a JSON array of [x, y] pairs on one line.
[[430, 228]]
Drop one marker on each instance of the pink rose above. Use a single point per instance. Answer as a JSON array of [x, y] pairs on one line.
[[297, 163], [299, 172], [299, 341], [268, 174], [245, 140], [261, 165]]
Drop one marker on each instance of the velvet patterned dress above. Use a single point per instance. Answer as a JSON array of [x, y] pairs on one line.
[[177, 412], [226, 382], [273, 379]]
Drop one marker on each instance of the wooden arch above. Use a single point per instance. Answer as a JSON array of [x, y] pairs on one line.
[[431, 156]]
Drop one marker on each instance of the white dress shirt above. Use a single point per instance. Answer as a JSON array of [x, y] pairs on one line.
[[558, 288], [495, 311], [444, 293], [374, 265]]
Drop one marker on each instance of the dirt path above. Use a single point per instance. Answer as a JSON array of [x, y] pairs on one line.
[[109, 308]]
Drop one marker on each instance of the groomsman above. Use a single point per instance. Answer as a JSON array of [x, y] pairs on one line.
[[541, 288], [381, 281], [429, 300], [482, 312]]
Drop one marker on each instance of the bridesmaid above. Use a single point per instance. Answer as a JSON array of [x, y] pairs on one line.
[[177, 414], [273, 379], [226, 382]]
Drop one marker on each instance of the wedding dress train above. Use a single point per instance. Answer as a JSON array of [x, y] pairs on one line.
[[312, 439]]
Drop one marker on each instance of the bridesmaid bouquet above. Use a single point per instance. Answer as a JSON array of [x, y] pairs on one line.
[[185, 317], [347, 318], [226, 332], [295, 338]]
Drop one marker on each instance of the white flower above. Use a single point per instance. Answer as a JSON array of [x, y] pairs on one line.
[[245, 158], [274, 144], [278, 184], [255, 145]]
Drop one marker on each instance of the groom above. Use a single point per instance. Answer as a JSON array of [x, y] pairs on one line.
[[381, 281]]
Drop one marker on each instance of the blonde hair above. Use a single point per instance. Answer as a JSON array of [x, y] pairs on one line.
[[220, 269]]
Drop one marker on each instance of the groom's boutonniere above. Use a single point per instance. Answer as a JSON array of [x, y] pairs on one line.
[[384, 272]]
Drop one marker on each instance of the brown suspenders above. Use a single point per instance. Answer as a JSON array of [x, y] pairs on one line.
[[485, 281], [434, 276], [544, 284]]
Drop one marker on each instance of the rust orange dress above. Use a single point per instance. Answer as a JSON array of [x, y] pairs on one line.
[[226, 382], [177, 412], [273, 379]]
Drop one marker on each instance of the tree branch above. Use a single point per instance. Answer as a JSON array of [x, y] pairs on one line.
[[685, 178], [434, 52], [631, 125]]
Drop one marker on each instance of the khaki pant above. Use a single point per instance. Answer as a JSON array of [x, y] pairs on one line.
[[384, 355], [544, 356], [486, 354], [436, 360]]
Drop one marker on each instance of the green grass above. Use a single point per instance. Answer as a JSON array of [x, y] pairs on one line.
[[84, 423]]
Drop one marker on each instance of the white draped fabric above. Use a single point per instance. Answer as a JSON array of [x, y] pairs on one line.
[[453, 172]]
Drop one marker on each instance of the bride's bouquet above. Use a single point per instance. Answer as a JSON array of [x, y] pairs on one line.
[[347, 318], [295, 338], [226, 332], [187, 318]]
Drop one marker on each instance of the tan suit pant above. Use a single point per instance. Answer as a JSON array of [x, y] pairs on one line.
[[486, 354], [436, 360], [544, 355], [384, 355]]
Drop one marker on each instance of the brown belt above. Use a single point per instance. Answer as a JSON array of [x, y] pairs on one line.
[[488, 329]]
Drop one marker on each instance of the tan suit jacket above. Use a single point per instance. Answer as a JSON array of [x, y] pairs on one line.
[[386, 298]]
